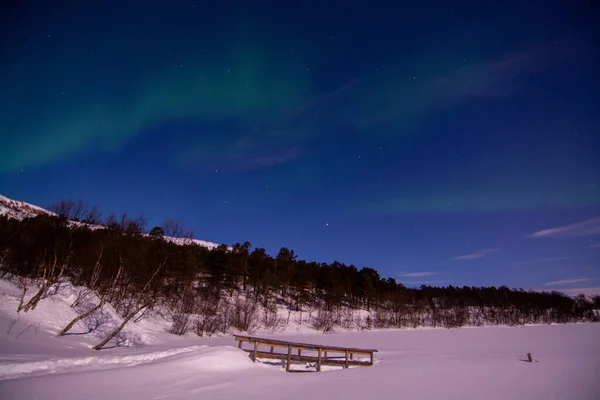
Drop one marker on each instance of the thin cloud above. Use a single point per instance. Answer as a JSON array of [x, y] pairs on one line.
[[567, 281], [319, 99], [415, 274], [473, 256], [541, 261], [498, 78], [425, 282], [583, 228], [268, 160], [448, 86]]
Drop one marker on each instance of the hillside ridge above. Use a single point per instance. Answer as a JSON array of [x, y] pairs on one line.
[[20, 210]]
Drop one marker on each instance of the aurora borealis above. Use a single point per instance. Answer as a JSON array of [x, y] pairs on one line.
[[420, 131]]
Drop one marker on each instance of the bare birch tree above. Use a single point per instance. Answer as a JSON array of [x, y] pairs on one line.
[[103, 298], [145, 300], [51, 275]]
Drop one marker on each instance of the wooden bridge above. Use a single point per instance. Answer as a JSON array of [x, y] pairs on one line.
[[318, 354]]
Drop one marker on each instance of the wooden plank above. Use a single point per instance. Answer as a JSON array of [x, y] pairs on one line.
[[289, 359], [319, 361], [346, 365], [304, 346], [272, 348], [299, 352], [314, 348], [255, 351], [240, 345], [371, 359], [350, 363], [294, 347], [307, 359]]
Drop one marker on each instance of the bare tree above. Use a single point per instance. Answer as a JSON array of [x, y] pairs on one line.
[[64, 208], [207, 320], [188, 236], [173, 228], [183, 308], [129, 225], [50, 276], [139, 224], [145, 300], [93, 216], [271, 319], [111, 221], [78, 211], [103, 298], [245, 312], [176, 229], [69, 209], [23, 286], [324, 321], [93, 282]]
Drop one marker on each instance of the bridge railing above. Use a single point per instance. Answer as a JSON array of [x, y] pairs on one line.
[[313, 353]]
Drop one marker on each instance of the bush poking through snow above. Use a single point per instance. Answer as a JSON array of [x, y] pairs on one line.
[[245, 313], [325, 321]]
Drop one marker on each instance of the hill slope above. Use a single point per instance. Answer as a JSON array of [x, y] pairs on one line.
[[20, 210]]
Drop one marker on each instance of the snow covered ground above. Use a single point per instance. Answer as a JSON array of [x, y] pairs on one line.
[[466, 363]]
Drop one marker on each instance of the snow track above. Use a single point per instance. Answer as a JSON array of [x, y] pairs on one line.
[[59, 365]]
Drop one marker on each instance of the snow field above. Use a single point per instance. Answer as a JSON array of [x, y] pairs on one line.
[[150, 363], [478, 363]]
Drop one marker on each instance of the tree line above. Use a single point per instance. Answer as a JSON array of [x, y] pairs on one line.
[[240, 287]]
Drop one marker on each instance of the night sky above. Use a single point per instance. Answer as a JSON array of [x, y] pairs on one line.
[[436, 142]]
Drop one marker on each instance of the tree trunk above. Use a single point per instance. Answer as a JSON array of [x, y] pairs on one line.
[[23, 282], [47, 282], [120, 328], [82, 316], [137, 310], [36, 298], [100, 304]]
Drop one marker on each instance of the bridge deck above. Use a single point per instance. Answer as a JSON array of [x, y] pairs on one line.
[[322, 352]]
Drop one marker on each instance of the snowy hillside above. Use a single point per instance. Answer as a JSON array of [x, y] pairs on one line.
[[20, 210], [468, 363]]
